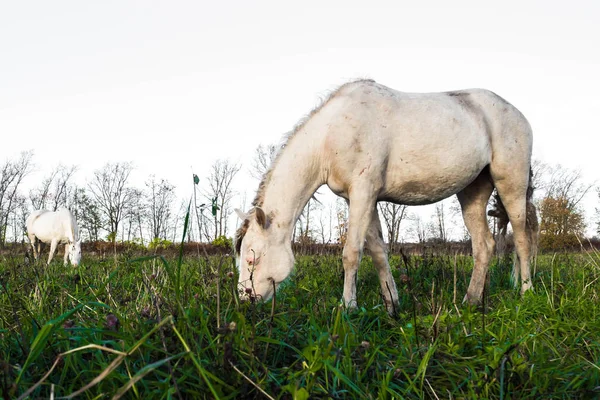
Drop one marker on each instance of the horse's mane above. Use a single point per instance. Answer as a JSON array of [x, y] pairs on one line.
[[260, 193], [258, 200]]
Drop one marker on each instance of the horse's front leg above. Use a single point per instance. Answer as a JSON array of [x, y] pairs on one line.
[[359, 220], [52, 250], [67, 253]]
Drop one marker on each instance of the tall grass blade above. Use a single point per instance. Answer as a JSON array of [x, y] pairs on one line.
[[39, 343], [180, 259], [143, 372], [117, 361]]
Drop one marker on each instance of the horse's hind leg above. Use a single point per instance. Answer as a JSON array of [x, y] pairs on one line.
[[376, 246], [513, 194], [473, 201], [32, 241]]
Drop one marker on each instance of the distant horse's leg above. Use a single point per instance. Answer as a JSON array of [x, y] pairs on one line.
[[32, 241], [52, 250], [473, 201], [361, 203], [513, 196], [376, 246], [67, 253]]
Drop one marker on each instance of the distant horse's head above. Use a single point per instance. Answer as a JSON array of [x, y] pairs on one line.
[[264, 259], [75, 253]]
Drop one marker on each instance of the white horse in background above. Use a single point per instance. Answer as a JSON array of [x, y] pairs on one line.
[[55, 227], [370, 143]]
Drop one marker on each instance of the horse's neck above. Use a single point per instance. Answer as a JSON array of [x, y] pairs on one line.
[[294, 179], [75, 230], [72, 225]]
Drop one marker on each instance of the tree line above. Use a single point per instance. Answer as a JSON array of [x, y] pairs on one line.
[[108, 207]]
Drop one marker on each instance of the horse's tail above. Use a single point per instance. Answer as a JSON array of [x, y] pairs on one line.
[[531, 222], [532, 226]]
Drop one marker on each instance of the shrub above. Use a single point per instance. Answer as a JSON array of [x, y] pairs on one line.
[[223, 242], [158, 243]]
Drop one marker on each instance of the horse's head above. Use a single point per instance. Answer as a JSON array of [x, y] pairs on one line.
[[263, 255], [75, 252]]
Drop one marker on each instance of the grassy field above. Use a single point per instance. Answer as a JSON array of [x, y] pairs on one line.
[[154, 328]]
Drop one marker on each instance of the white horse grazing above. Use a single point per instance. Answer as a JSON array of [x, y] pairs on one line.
[[55, 227], [369, 143]]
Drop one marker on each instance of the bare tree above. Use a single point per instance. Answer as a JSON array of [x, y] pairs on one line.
[[111, 193], [392, 215], [12, 173], [417, 228], [325, 227], [54, 190], [18, 217], [39, 196], [220, 193], [86, 213], [438, 224], [62, 186], [134, 214], [564, 183], [263, 158], [160, 204], [539, 171]]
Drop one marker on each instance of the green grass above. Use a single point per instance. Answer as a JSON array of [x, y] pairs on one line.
[[181, 332]]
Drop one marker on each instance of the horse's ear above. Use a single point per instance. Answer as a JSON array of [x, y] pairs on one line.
[[261, 218], [241, 215]]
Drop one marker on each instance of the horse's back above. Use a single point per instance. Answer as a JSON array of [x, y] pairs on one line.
[[368, 95]]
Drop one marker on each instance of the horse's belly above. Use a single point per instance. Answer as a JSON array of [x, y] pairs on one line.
[[419, 189], [48, 239]]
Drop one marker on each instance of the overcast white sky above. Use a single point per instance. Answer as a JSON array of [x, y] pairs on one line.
[[173, 85]]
